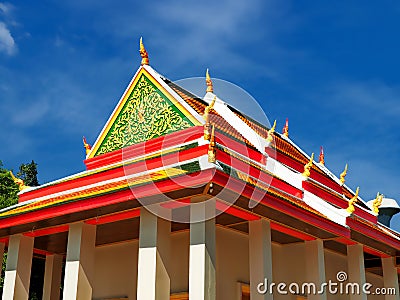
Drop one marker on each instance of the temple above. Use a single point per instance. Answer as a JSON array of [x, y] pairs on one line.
[[185, 197]]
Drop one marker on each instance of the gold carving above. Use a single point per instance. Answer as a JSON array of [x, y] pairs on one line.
[[143, 53], [19, 181], [307, 167], [353, 200], [271, 133], [285, 131], [343, 175], [377, 203], [209, 83]]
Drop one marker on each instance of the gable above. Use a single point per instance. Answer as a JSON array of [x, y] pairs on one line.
[[146, 111]]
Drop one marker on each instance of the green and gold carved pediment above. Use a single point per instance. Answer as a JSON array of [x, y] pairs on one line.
[[146, 114]]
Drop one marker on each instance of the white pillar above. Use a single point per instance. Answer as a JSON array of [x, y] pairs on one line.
[[154, 238], [356, 269], [202, 251], [18, 268], [52, 277], [260, 251], [80, 261], [390, 277], [315, 267]]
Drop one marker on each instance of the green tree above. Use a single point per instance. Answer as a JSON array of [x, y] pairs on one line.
[[28, 173], [8, 189]]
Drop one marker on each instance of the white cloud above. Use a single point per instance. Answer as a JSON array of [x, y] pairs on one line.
[[6, 8], [7, 43]]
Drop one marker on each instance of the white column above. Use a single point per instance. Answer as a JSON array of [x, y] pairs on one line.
[[154, 238], [18, 268], [202, 251], [52, 277], [356, 269], [315, 267], [390, 277], [260, 251], [79, 265]]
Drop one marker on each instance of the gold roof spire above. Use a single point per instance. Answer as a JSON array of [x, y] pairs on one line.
[[343, 175], [270, 136], [322, 156], [307, 167], [285, 130], [87, 146], [143, 53], [210, 88], [19, 181], [353, 200]]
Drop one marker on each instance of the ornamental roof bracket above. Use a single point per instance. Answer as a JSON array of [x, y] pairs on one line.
[[307, 167], [19, 181], [377, 203], [343, 175], [210, 88], [87, 146], [285, 130], [322, 156], [270, 136], [350, 209], [211, 146], [206, 117], [143, 53]]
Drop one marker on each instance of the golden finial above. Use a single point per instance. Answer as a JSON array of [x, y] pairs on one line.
[[285, 131], [211, 146], [271, 132], [353, 200], [19, 181], [322, 156], [209, 83], [307, 167], [143, 53], [87, 146], [343, 175], [377, 203], [206, 117]]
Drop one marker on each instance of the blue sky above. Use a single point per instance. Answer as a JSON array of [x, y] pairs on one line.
[[330, 67]]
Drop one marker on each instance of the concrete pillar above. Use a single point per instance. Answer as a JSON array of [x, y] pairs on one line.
[[52, 277], [315, 267], [390, 278], [18, 268], [260, 251], [202, 251], [79, 267], [356, 269], [154, 239]]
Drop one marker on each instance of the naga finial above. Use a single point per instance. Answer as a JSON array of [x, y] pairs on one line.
[[270, 136], [87, 146], [210, 88], [211, 146], [143, 53], [353, 200], [377, 203], [322, 156], [285, 130], [343, 175], [19, 182], [307, 167], [206, 117]]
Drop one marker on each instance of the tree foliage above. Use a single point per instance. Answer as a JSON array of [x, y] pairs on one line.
[[8, 189]]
